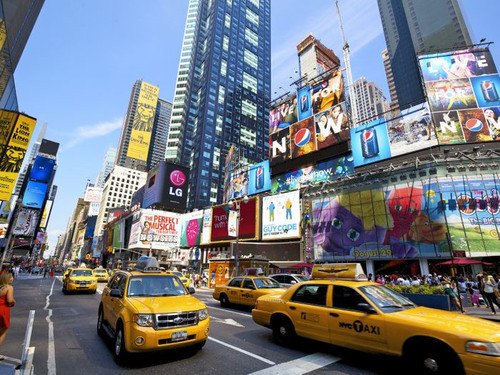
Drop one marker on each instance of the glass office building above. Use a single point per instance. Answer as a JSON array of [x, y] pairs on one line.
[[222, 92]]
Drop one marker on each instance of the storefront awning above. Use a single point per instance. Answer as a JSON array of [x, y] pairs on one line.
[[282, 264]]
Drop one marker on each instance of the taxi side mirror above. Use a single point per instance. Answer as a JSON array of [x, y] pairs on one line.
[[366, 308], [191, 290], [116, 293]]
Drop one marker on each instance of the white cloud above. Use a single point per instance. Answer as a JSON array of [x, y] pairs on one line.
[[84, 133]]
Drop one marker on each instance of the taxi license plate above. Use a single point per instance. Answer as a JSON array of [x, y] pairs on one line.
[[82, 286], [179, 336]]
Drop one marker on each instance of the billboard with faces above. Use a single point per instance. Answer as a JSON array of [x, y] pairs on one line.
[[463, 93], [283, 115]]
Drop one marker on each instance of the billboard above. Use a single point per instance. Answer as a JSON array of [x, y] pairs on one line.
[[119, 235], [412, 130], [93, 194], [154, 229], [46, 214], [259, 178], [207, 226], [370, 142], [34, 194], [49, 147], [463, 93], [191, 229], [166, 186], [25, 222], [42, 169], [313, 174], [142, 127], [281, 216], [13, 151], [238, 185], [248, 221], [321, 120]]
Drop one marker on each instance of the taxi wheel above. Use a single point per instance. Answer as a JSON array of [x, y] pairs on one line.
[[100, 320], [435, 359], [120, 353], [224, 301], [283, 331]]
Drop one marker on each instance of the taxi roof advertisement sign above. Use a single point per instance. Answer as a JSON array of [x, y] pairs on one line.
[[281, 216], [463, 91]]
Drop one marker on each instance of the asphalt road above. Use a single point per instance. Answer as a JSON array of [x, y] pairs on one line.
[[65, 341]]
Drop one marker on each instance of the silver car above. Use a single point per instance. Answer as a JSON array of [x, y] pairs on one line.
[[288, 279]]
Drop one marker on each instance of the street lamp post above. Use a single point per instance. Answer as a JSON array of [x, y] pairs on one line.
[[234, 217]]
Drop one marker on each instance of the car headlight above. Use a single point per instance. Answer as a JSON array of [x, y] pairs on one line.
[[485, 348], [144, 320], [203, 314]]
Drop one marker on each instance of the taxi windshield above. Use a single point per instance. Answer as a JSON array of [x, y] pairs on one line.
[[100, 271], [267, 282], [155, 286], [386, 299], [81, 273]]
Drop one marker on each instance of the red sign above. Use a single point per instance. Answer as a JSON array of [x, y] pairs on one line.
[[247, 224]]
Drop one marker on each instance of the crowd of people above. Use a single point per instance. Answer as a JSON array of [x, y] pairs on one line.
[[482, 289]]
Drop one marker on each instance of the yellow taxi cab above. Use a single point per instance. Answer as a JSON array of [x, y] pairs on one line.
[[361, 315], [101, 274], [185, 280], [145, 310], [244, 290], [79, 280]]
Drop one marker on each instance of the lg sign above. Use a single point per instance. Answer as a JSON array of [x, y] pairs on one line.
[[177, 178]]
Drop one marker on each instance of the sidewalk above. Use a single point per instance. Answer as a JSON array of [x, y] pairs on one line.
[[483, 312]]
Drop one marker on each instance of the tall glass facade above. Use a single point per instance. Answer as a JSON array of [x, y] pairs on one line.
[[412, 27], [222, 92]]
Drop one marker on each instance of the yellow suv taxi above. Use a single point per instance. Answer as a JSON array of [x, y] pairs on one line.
[[245, 290], [146, 309], [101, 274], [79, 280], [366, 316], [185, 280]]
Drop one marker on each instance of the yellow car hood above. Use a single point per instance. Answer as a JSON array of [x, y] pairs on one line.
[[165, 305], [444, 321]]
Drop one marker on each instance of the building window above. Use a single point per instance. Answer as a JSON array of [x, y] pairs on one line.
[[252, 17], [222, 94], [255, 2], [250, 82], [227, 21], [223, 68], [225, 43], [251, 37], [251, 59], [248, 108]]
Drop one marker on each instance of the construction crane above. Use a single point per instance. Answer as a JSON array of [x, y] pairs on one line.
[[347, 61]]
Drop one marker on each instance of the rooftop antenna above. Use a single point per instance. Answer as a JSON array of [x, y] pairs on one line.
[[347, 61]]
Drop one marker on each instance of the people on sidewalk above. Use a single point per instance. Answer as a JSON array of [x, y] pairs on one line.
[[489, 292], [6, 302]]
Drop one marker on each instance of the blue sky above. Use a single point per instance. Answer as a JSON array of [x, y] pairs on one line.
[[83, 57]]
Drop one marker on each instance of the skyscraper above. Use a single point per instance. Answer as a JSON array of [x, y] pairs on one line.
[[370, 101], [222, 92], [315, 58], [144, 132], [106, 168], [415, 26], [17, 18]]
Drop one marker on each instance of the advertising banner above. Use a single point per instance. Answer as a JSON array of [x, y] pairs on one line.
[[191, 229], [207, 226], [12, 154], [327, 93], [281, 215], [248, 223], [283, 115], [81, 236], [35, 194], [154, 229], [238, 186], [94, 208], [332, 127], [140, 136], [93, 194], [303, 137], [328, 170], [5, 211], [46, 214], [413, 130], [232, 224], [259, 178], [42, 169], [25, 222], [279, 146], [463, 93], [119, 235], [304, 103], [370, 142], [166, 186]]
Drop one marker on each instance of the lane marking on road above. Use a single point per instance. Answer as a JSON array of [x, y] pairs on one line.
[[243, 351], [51, 360], [300, 366], [230, 322], [229, 311]]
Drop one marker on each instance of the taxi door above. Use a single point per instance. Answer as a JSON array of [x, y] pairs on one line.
[[112, 305], [352, 327], [247, 294], [309, 313], [233, 290]]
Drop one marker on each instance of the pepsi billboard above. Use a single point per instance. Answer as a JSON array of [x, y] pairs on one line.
[[370, 142], [34, 195], [259, 178], [463, 91], [315, 119], [42, 169]]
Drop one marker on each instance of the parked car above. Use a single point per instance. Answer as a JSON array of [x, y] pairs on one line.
[[288, 279]]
